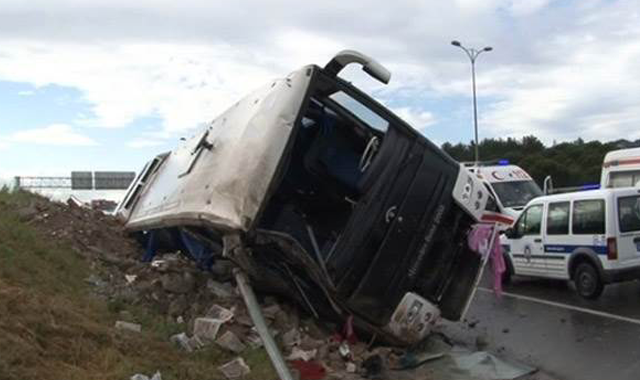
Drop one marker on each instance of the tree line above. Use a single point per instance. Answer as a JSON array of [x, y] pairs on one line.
[[572, 163]]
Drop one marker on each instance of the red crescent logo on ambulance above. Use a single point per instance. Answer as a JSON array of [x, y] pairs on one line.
[[495, 175]]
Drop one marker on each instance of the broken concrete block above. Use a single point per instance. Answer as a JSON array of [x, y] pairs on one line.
[[271, 312], [206, 329], [235, 369], [122, 325], [300, 354], [291, 338], [178, 283], [220, 313], [138, 376], [178, 306], [231, 342], [196, 343], [221, 290], [183, 341]]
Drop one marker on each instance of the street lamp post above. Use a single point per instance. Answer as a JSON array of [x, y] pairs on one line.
[[473, 55]]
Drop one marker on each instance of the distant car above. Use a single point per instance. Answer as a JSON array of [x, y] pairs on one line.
[[589, 237], [341, 204]]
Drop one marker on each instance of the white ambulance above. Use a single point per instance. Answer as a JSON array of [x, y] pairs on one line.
[[621, 168], [511, 187]]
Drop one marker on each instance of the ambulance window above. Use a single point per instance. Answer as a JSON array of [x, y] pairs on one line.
[[588, 217], [558, 219], [629, 213], [624, 178], [529, 223]]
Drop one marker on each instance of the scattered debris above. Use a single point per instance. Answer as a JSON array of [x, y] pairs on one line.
[[220, 313], [156, 376], [351, 367], [235, 369], [130, 278], [219, 289], [183, 341], [300, 354], [206, 329], [231, 342], [309, 370], [121, 325]]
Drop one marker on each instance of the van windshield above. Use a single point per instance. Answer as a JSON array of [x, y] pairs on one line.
[[516, 193]]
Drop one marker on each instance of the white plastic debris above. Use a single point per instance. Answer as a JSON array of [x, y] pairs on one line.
[[138, 376], [206, 329], [220, 313], [122, 325], [231, 342], [183, 341], [292, 338], [351, 367], [235, 369], [220, 290], [300, 354], [130, 278], [180, 320]]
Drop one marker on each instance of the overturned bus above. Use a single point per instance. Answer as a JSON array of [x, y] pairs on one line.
[[321, 194]]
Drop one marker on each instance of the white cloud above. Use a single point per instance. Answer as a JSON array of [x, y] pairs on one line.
[[144, 143], [559, 69], [416, 118], [55, 134], [26, 93]]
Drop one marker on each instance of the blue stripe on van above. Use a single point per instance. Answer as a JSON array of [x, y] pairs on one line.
[[564, 248]]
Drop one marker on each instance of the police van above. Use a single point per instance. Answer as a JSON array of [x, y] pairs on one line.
[[589, 237], [511, 188]]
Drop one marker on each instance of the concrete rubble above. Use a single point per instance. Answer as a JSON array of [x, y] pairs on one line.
[[128, 326], [235, 369], [205, 303]]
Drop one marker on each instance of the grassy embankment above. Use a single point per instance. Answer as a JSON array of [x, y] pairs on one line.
[[52, 327]]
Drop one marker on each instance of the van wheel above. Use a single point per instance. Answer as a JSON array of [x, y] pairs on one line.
[[508, 271], [588, 282]]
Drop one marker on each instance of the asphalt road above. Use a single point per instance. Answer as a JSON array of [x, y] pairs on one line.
[[546, 324]]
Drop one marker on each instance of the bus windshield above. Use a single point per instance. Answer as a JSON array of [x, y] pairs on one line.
[[516, 193]]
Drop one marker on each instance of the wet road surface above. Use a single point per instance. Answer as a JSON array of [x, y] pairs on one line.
[[546, 324]]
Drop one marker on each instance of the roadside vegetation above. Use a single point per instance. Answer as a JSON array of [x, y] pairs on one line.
[[53, 327], [569, 164]]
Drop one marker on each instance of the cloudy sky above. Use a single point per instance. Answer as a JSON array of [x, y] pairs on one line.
[[105, 85]]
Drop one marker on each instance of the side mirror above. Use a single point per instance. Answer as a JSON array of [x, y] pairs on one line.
[[510, 233]]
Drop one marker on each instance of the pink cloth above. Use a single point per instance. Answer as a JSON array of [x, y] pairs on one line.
[[479, 241]]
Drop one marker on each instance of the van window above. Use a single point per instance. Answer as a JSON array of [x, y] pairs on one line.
[[530, 221], [588, 217], [558, 219], [627, 178], [629, 213]]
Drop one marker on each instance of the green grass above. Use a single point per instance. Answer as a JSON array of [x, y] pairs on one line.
[[52, 327]]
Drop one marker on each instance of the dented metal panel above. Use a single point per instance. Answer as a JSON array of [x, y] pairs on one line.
[[220, 176]]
